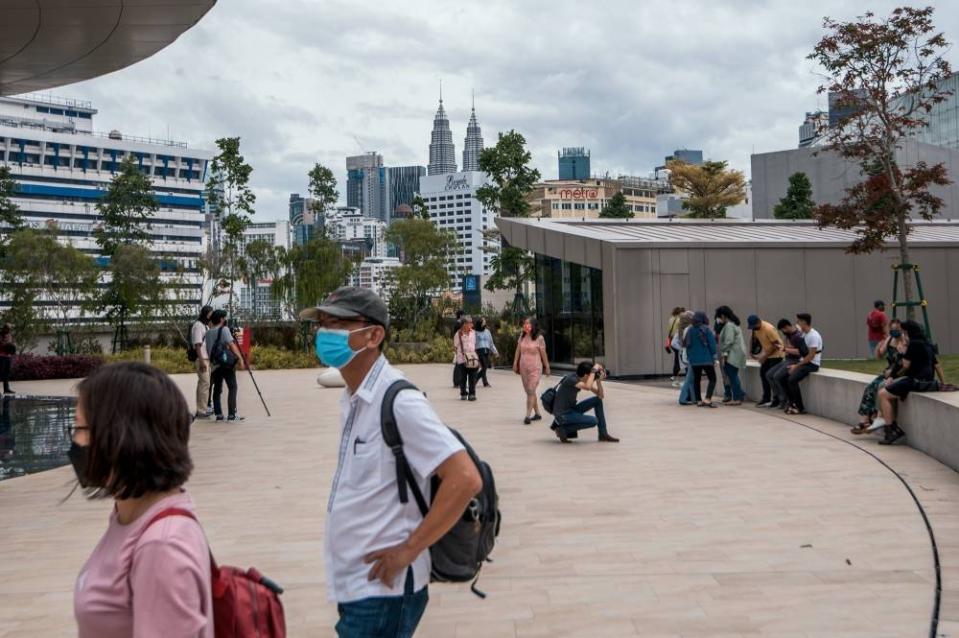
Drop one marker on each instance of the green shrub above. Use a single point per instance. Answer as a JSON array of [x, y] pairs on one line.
[[269, 358], [170, 360], [174, 361]]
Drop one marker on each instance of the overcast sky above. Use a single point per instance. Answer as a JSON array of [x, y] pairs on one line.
[[302, 81]]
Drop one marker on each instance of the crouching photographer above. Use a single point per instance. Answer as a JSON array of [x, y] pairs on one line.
[[571, 416]]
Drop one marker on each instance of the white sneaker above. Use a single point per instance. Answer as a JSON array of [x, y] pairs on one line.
[[878, 424], [764, 405]]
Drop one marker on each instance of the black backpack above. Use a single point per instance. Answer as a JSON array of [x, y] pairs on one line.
[[459, 555]]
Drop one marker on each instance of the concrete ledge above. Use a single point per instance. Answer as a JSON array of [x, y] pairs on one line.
[[930, 420]]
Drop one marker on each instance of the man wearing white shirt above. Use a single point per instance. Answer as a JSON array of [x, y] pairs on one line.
[[197, 332], [376, 548], [806, 366]]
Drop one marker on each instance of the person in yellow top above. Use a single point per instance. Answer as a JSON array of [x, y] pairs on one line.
[[767, 349], [672, 329]]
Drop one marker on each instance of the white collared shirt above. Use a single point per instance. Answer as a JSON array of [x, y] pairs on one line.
[[364, 513]]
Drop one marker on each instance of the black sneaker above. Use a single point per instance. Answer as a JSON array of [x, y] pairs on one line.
[[893, 434], [527, 421], [234, 417], [462, 397], [471, 397], [773, 405], [537, 417]]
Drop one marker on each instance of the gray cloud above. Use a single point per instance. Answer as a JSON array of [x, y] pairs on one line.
[[305, 81]]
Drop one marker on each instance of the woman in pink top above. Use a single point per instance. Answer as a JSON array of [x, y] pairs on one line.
[[130, 444], [530, 362]]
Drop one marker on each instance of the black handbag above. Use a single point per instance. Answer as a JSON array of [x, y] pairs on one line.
[[548, 398]]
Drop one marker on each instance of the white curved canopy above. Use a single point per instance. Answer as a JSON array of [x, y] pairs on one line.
[[49, 43]]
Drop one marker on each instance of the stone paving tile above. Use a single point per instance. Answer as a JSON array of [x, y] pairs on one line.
[[728, 522]]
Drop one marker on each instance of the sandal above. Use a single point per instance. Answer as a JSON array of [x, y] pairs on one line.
[[706, 405]]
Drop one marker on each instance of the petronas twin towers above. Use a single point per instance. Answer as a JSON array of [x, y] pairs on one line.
[[442, 150]]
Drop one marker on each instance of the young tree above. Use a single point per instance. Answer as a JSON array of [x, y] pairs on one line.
[[126, 209], [322, 188], [890, 69], [616, 208], [710, 187], [508, 164], [49, 283], [231, 200], [257, 263], [305, 274], [134, 291], [797, 204], [10, 219], [426, 250]]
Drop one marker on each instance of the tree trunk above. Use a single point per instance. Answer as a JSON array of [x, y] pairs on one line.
[[907, 274]]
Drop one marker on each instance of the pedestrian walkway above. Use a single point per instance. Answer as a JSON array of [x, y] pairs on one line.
[[727, 522]]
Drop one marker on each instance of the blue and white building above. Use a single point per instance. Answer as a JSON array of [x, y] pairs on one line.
[[63, 167]]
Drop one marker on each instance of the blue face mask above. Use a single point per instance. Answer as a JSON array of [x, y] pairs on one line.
[[333, 346]]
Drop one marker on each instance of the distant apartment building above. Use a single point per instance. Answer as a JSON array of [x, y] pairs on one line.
[[451, 200], [62, 168], [349, 226], [690, 156], [376, 273], [573, 163], [588, 197], [304, 222]]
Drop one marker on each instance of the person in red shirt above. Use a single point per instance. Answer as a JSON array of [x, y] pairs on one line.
[[878, 324]]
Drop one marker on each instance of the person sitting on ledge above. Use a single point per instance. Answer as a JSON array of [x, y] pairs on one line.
[[570, 415], [919, 369], [807, 365]]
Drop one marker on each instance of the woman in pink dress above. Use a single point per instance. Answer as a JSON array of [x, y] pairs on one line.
[[530, 362]]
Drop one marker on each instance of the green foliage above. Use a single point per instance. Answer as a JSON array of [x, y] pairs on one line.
[[308, 273], [437, 350], [420, 209], [797, 204], [508, 164], [126, 209], [426, 250], [134, 288], [260, 260], [710, 187], [231, 200], [322, 188], [37, 267], [616, 208], [174, 361], [9, 213]]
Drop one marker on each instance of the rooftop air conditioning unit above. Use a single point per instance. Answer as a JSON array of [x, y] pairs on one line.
[[115, 135]]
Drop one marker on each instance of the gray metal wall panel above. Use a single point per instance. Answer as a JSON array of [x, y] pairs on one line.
[[831, 300], [575, 249], [948, 336], [779, 291], [674, 262], [555, 244], [536, 240], [594, 253], [636, 326], [610, 307], [730, 281]]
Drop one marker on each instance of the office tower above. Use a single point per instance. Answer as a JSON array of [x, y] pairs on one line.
[[473, 145], [574, 163], [442, 150]]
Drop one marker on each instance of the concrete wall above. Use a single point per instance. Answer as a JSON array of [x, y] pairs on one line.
[[836, 288], [831, 175], [929, 419]]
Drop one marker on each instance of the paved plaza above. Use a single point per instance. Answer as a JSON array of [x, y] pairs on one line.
[[727, 522]]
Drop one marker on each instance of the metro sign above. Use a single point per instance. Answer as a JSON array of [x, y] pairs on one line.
[[579, 193]]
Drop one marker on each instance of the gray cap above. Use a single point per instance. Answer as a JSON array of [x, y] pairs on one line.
[[350, 301]]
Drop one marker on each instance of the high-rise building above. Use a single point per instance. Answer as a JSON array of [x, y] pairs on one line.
[[376, 273], [62, 169], [574, 163], [366, 185], [442, 150], [689, 156], [404, 183], [840, 109], [473, 145], [942, 120], [451, 200], [812, 128]]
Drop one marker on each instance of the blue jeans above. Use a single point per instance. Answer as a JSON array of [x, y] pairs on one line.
[[686, 392], [735, 387], [576, 419], [384, 616]]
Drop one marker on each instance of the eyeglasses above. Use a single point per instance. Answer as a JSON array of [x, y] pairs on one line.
[[70, 430]]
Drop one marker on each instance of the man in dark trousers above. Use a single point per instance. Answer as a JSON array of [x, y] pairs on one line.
[[570, 415]]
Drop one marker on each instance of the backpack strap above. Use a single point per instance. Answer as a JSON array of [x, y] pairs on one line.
[[179, 511], [393, 440]]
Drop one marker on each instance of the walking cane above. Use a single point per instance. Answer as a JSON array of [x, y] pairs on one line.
[[262, 400]]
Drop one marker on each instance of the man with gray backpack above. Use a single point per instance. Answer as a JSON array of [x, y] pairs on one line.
[[382, 547]]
